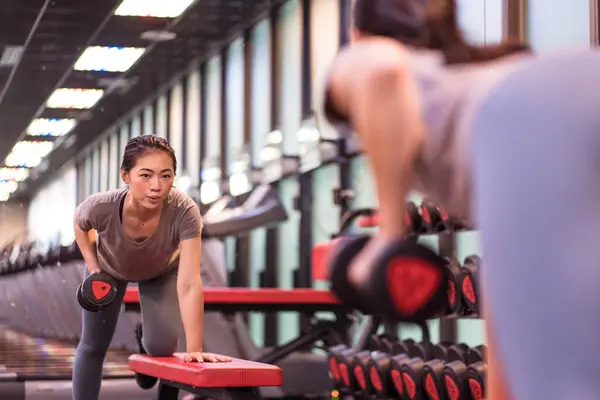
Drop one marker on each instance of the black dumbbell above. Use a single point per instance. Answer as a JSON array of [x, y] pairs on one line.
[[97, 292], [409, 369], [469, 283], [345, 360], [477, 371], [334, 371], [433, 371], [413, 219], [432, 217], [431, 357], [407, 281], [456, 374], [347, 248], [476, 380], [385, 342], [454, 293], [384, 383], [360, 369]]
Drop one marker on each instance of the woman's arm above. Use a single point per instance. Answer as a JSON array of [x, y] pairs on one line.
[[86, 240], [371, 86], [190, 292]]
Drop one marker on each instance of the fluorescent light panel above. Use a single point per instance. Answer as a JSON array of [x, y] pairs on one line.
[[28, 154], [7, 188], [153, 8], [50, 127], [110, 59], [11, 56], [14, 174], [74, 98]]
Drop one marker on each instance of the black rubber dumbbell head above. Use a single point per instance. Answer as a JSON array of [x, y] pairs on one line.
[[360, 367], [345, 250], [455, 376], [97, 292], [332, 362], [379, 374], [469, 283], [413, 219], [396, 364], [454, 294], [476, 380], [476, 354]]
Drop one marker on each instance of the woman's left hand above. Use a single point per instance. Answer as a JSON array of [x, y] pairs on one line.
[[205, 357]]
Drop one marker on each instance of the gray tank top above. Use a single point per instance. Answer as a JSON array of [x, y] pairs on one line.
[[449, 98]]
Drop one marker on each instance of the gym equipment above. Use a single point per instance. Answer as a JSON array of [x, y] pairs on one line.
[[97, 292], [456, 374], [262, 208], [434, 217], [40, 369], [413, 219], [476, 380], [226, 331], [454, 291], [433, 370], [386, 383], [469, 283], [332, 362], [345, 251], [238, 379], [408, 282]]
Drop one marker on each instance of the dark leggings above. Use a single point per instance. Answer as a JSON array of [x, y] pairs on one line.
[[161, 322]]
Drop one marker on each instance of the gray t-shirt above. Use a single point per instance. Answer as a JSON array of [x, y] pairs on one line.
[[134, 261]]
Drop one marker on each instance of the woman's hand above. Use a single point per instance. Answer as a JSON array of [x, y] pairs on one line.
[[360, 268], [205, 357]]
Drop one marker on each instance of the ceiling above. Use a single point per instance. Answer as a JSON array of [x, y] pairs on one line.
[[53, 34]]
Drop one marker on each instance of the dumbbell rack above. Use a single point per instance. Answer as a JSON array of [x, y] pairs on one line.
[[447, 248]]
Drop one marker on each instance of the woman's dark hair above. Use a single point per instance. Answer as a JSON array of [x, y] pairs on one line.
[[140, 145], [431, 24]]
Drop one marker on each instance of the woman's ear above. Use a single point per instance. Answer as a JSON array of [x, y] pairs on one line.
[[125, 177]]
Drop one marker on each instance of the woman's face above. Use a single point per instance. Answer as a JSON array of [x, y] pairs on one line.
[[151, 178]]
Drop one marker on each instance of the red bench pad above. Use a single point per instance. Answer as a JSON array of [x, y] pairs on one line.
[[237, 373], [255, 296]]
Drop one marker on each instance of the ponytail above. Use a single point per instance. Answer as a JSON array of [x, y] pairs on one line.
[[431, 24]]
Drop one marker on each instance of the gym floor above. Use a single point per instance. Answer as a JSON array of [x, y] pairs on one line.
[[46, 366]]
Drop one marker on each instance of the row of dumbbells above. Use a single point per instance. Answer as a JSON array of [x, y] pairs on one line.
[[406, 370], [427, 218], [28, 256], [463, 286]]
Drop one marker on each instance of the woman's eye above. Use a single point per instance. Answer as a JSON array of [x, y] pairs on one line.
[[167, 177], [145, 176]]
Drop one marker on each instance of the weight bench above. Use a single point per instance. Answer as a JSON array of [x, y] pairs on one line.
[[238, 379]]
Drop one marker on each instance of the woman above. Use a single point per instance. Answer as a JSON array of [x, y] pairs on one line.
[[507, 139], [148, 232]]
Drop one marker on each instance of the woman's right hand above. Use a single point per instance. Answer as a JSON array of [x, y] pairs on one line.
[[93, 269]]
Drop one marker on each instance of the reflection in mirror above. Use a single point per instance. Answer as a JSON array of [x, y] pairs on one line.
[[210, 189], [240, 172], [315, 149]]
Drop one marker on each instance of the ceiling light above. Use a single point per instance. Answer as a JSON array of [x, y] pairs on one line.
[[110, 59], [158, 36], [11, 56], [74, 98], [14, 174], [50, 127], [153, 8], [7, 188], [28, 154]]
